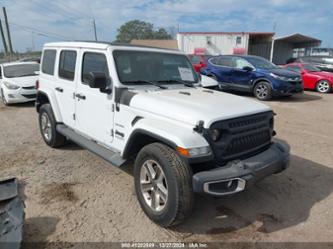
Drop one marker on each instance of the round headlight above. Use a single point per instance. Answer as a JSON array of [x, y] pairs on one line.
[[215, 134]]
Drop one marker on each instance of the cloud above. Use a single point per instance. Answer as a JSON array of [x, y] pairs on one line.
[[61, 19]]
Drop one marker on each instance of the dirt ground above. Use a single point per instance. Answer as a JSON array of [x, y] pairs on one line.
[[72, 195]]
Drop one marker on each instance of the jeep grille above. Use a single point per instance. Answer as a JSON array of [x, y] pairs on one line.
[[241, 137]]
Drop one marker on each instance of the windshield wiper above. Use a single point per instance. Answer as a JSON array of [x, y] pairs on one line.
[[144, 81], [178, 81]]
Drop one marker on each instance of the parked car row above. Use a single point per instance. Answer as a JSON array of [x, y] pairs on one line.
[[124, 102], [265, 80]]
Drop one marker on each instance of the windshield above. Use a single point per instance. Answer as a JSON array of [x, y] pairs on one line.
[[311, 68], [21, 70], [261, 63], [138, 67]]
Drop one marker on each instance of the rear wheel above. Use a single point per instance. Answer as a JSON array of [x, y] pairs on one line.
[[4, 101], [323, 86], [47, 125], [163, 184], [263, 91]]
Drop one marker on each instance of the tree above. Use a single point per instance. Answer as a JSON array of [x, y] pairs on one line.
[[137, 29]]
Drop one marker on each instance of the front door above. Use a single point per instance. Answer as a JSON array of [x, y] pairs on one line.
[[242, 77], [94, 112]]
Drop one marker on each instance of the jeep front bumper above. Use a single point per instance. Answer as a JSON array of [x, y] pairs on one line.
[[240, 174]]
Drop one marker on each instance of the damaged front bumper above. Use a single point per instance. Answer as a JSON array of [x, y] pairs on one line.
[[240, 174]]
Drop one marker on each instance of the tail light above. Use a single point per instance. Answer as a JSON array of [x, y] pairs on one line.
[[37, 84]]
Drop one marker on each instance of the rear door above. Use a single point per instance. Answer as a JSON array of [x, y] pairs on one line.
[[94, 110], [223, 66], [65, 85], [241, 78]]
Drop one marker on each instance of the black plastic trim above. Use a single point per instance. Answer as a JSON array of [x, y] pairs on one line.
[[131, 140], [273, 160]]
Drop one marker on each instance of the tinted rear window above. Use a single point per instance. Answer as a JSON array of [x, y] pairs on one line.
[[67, 63], [48, 61]]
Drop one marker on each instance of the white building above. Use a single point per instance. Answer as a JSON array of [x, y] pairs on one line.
[[251, 43]]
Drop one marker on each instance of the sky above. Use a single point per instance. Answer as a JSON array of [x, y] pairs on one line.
[[35, 22]]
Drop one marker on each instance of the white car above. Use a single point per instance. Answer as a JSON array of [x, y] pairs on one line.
[[122, 102], [18, 81]]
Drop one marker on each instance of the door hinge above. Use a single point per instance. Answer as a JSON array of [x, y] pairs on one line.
[[74, 117], [112, 133]]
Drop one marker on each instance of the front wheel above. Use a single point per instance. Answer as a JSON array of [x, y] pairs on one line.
[[263, 91], [163, 185], [323, 86]]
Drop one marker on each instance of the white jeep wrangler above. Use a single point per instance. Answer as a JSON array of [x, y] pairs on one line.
[[122, 101]]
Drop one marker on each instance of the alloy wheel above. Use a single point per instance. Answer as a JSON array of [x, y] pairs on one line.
[[46, 126], [154, 187], [323, 86], [262, 91]]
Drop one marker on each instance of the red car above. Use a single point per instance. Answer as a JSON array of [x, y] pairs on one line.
[[198, 61], [313, 77]]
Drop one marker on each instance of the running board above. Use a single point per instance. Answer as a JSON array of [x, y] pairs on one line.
[[108, 155]]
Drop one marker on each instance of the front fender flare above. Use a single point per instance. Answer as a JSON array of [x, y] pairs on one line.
[[168, 133]]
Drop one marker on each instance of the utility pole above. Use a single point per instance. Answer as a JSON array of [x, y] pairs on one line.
[[8, 31], [3, 39], [32, 42], [95, 32]]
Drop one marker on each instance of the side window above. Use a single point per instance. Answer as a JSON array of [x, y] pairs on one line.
[[294, 68], [240, 63], [238, 40], [195, 59], [93, 62], [226, 62], [48, 61], [67, 63]]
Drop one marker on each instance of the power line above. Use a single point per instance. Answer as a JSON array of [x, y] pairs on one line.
[[38, 31]]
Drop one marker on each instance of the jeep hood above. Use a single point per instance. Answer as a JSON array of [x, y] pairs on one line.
[[192, 105]]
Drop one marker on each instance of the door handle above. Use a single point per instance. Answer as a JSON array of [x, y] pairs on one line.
[[59, 89], [80, 96]]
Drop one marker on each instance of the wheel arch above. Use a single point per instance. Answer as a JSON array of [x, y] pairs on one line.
[[256, 81], [140, 138], [45, 98]]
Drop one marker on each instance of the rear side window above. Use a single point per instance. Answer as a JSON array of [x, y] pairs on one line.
[[294, 68], [67, 63], [195, 59], [223, 61], [93, 62], [48, 61]]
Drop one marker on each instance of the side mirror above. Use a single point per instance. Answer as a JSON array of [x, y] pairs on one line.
[[248, 69], [99, 80]]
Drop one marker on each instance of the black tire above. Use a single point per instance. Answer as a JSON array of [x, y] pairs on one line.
[[178, 177], [323, 86], [55, 139], [263, 91], [4, 101]]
